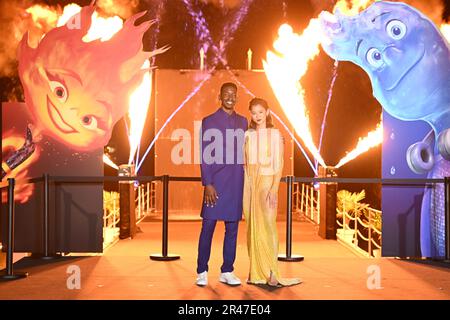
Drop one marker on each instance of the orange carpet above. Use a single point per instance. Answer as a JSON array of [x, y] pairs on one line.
[[124, 271]]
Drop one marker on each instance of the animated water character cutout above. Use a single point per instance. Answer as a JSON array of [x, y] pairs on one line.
[[408, 62], [76, 90]]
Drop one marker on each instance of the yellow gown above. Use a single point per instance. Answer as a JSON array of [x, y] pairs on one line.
[[263, 156]]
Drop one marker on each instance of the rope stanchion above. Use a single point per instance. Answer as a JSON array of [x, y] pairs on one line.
[[289, 256], [8, 273], [165, 256], [46, 225]]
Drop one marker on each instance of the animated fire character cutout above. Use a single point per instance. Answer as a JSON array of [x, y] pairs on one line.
[[77, 90]]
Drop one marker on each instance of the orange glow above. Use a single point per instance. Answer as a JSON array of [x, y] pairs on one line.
[[373, 139]]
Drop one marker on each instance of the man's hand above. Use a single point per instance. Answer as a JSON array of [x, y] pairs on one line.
[[272, 199], [210, 195]]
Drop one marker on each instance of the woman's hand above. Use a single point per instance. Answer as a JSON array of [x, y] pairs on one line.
[[272, 199]]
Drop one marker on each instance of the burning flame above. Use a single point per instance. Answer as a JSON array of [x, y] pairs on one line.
[[69, 11], [137, 112], [372, 139], [42, 15], [109, 162], [445, 29], [285, 68], [353, 9], [101, 28], [104, 29]]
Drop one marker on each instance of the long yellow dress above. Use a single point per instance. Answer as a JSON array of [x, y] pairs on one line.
[[263, 155]]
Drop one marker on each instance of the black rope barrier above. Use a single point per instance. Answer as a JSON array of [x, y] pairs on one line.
[[100, 179], [387, 182], [8, 273], [165, 256]]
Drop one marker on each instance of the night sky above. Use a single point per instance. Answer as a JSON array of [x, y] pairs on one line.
[[353, 110]]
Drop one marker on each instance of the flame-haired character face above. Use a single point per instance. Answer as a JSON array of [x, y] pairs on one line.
[[76, 90]]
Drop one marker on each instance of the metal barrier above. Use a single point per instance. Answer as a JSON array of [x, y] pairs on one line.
[[144, 204], [8, 274], [350, 235], [145, 200], [306, 200], [111, 218]]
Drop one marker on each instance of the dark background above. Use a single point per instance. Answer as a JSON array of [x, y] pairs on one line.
[[353, 110]]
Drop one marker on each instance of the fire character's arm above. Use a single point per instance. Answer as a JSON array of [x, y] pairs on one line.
[[20, 155]]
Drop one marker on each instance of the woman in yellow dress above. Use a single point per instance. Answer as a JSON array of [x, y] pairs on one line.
[[263, 156]]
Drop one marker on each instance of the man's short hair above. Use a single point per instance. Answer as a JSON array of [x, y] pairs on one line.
[[228, 84]]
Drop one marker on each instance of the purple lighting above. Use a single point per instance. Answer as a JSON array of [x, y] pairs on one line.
[[230, 30], [201, 28], [186, 100], [330, 93], [204, 35]]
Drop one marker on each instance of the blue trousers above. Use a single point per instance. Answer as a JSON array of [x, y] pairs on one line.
[[229, 245]]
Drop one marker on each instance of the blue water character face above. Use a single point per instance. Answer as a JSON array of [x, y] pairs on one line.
[[402, 51]]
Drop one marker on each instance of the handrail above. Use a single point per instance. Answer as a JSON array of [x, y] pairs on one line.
[[99, 179], [365, 224], [309, 201]]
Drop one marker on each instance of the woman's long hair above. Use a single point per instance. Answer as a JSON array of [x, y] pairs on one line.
[[263, 103]]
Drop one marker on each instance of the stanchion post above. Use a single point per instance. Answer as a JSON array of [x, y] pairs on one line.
[[447, 218], [127, 222], [8, 273], [165, 256], [165, 225], [289, 257]]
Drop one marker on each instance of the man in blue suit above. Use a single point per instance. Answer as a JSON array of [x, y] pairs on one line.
[[223, 178]]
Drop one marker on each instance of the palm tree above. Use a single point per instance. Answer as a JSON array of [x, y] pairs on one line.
[[350, 203]]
